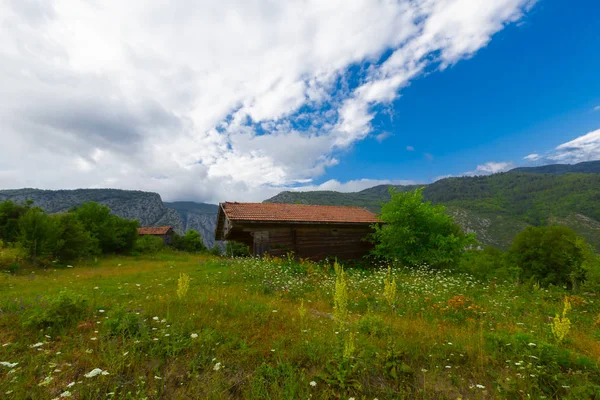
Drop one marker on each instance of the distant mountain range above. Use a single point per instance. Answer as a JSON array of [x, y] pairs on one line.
[[494, 207]]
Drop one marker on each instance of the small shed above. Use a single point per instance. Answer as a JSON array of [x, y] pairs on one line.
[[309, 231], [163, 232]]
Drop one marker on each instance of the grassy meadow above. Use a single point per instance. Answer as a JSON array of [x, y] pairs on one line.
[[181, 326]]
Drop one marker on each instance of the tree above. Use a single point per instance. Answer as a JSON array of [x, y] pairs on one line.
[[148, 244], [10, 212], [190, 242], [418, 233], [114, 234], [550, 255], [38, 235], [73, 240]]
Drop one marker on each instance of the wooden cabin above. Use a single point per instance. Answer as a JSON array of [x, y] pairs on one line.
[[163, 232], [309, 231]]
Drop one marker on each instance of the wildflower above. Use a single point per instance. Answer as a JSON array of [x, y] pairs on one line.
[[561, 325], [66, 393], [70, 384], [124, 354], [183, 284], [389, 289], [217, 366], [349, 347], [95, 372], [478, 386], [194, 335], [531, 344], [101, 311], [340, 307], [93, 338], [448, 366], [8, 365], [37, 345], [155, 318], [96, 288], [46, 381], [313, 383]]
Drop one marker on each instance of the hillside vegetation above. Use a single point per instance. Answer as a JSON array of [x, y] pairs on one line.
[[179, 326]]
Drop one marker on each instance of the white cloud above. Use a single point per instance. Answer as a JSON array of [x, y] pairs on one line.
[[410, 148], [353, 185], [532, 157], [212, 100], [491, 167], [583, 148], [597, 108], [382, 136]]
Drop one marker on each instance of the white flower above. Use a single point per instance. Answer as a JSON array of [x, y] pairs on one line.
[[69, 266], [93, 338], [155, 318], [194, 335], [71, 384], [448, 366], [66, 393], [95, 372], [37, 345], [532, 344], [313, 383], [480, 386], [46, 381], [7, 364], [217, 366], [101, 311]]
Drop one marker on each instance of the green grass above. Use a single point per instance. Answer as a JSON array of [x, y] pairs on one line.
[[238, 333]]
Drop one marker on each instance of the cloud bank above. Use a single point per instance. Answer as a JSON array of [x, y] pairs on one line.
[[211, 101]]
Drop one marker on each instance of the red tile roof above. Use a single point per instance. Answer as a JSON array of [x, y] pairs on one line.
[[277, 212], [154, 230]]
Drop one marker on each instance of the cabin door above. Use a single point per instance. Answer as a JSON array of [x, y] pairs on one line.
[[261, 243]]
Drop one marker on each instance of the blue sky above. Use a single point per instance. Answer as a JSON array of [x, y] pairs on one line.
[[236, 101], [533, 87]]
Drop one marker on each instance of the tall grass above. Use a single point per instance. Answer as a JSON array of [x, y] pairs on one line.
[[257, 329]]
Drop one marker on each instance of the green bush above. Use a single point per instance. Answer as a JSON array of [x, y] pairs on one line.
[[418, 233], [190, 242], [148, 244], [61, 311], [126, 324], [372, 324], [73, 240], [10, 212], [236, 249], [38, 236], [485, 264], [550, 255]]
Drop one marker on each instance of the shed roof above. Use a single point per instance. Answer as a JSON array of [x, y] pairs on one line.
[[154, 230], [277, 212]]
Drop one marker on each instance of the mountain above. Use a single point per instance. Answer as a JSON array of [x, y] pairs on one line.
[[146, 207], [496, 207], [588, 167], [201, 217]]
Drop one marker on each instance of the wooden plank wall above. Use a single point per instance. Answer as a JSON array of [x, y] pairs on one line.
[[315, 242]]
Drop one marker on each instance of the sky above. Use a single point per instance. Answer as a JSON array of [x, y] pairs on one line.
[[238, 100]]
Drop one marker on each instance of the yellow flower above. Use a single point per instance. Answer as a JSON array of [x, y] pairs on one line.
[[340, 299], [561, 325], [183, 284], [389, 289]]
